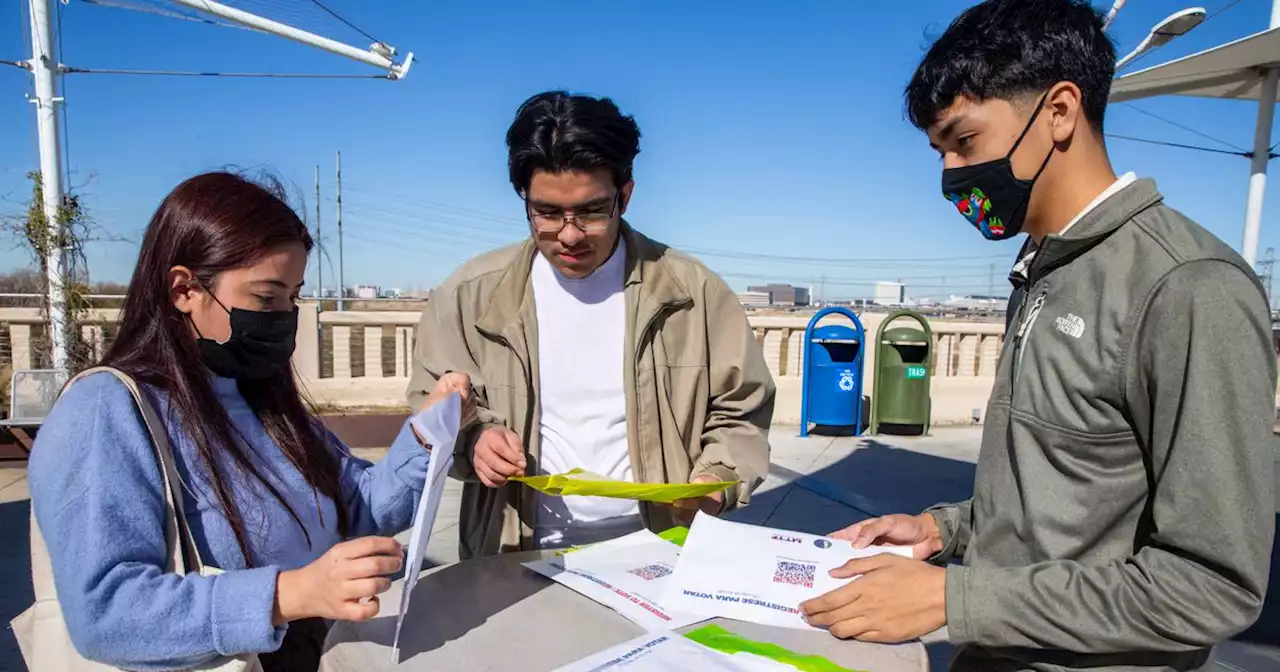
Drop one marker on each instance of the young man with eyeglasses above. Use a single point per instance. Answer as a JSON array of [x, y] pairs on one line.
[[1123, 505], [591, 346]]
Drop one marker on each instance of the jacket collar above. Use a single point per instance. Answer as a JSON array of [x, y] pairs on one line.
[[646, 266], [1056, 251]]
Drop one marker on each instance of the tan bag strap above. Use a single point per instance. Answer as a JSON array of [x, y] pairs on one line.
[[184, 555]]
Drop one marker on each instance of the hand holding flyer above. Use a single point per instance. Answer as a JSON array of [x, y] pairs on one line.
[[438, 426], [757, 574]]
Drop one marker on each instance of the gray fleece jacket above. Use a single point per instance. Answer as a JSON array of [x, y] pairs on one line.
[[1123, 511]]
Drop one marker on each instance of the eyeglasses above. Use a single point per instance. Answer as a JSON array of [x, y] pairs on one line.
[[553, 220]]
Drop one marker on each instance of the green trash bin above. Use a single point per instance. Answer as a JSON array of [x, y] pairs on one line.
[[900, 392]]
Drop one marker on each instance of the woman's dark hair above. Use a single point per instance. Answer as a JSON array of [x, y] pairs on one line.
[[1009, 49], [213, 223], [556, 131]]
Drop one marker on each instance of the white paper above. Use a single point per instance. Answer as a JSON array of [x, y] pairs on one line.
[[438, 426], [757, 574], [669, 652], [626, 574]]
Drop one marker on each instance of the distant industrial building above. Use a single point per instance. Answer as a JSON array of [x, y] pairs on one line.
[[390, 293], [976, 302], [365, 292], [782, 295], [890, 294], [754, 299]]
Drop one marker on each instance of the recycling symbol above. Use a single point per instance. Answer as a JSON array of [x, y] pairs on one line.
[[846, 381]]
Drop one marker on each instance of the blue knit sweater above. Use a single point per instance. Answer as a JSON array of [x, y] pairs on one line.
[[96, 490]]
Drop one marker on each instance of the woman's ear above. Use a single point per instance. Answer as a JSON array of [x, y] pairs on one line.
[[184, 290]]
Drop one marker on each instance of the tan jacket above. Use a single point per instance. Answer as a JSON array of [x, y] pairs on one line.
[[699, 395]]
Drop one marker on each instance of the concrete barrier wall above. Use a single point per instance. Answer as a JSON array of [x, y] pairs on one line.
[[362, 359]]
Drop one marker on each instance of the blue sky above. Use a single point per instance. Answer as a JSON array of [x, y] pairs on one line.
[[770, 129]]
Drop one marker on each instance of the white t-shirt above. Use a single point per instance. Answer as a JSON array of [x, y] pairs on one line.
[[581, 350]]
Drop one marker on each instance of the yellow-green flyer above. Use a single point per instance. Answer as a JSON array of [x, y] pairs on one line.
[[585, 483], [724, 641]]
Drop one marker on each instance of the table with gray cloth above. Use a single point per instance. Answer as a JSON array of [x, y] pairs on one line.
[[494, 614]]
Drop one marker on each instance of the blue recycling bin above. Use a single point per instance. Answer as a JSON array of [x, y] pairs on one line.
[[831, 392]]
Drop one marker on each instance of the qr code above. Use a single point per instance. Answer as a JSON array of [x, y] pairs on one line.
[[794, 573], [651, 572]]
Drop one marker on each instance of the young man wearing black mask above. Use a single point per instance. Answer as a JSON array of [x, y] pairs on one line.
[[1123, 510]]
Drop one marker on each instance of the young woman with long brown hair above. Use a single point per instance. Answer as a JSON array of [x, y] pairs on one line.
[[270, 496]]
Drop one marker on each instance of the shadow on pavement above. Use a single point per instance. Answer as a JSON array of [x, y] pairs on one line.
[[15, 568], [1266, 632], [880, 479]]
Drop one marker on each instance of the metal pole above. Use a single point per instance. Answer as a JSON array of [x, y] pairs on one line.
[[1111, 15], [44, 67], [1261, 154], [276, 28], [1258, 171], [318, 246], [342, 272]]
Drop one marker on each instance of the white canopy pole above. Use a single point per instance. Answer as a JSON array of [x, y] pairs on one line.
[[44, 66], [378, 55], [1261, 155]]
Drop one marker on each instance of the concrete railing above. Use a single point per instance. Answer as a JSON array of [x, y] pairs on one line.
[[22, 329], [362, 359]]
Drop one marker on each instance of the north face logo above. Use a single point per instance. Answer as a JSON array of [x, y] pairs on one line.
[[1070, 325]]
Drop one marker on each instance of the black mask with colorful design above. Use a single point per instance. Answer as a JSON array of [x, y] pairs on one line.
[[989, 195]]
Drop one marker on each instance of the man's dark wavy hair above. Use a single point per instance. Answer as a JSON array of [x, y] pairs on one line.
[[1015, 49], [556, 132]]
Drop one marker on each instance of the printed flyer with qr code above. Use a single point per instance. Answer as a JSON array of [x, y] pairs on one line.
[[626, 574], [757, 574]]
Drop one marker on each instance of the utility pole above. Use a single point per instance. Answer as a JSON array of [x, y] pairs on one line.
[[318, 246], [46, 70], [1266, 272], [342, 272]]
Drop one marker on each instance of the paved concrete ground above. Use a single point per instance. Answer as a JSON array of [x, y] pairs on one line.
[[817, 485]]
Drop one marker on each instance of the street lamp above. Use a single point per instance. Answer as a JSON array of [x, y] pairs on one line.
[[1174, 25]]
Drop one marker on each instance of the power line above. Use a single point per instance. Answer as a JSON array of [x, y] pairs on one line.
[[510, 224], [1229, 5], [835, 261], [348, 23], [380, 240], [163, 12], [399, 231], [183, 73], [1180, 145], [1188, 129], [16, 64], [416, 226]]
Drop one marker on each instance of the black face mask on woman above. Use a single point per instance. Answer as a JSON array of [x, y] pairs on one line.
[[260, 345]]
